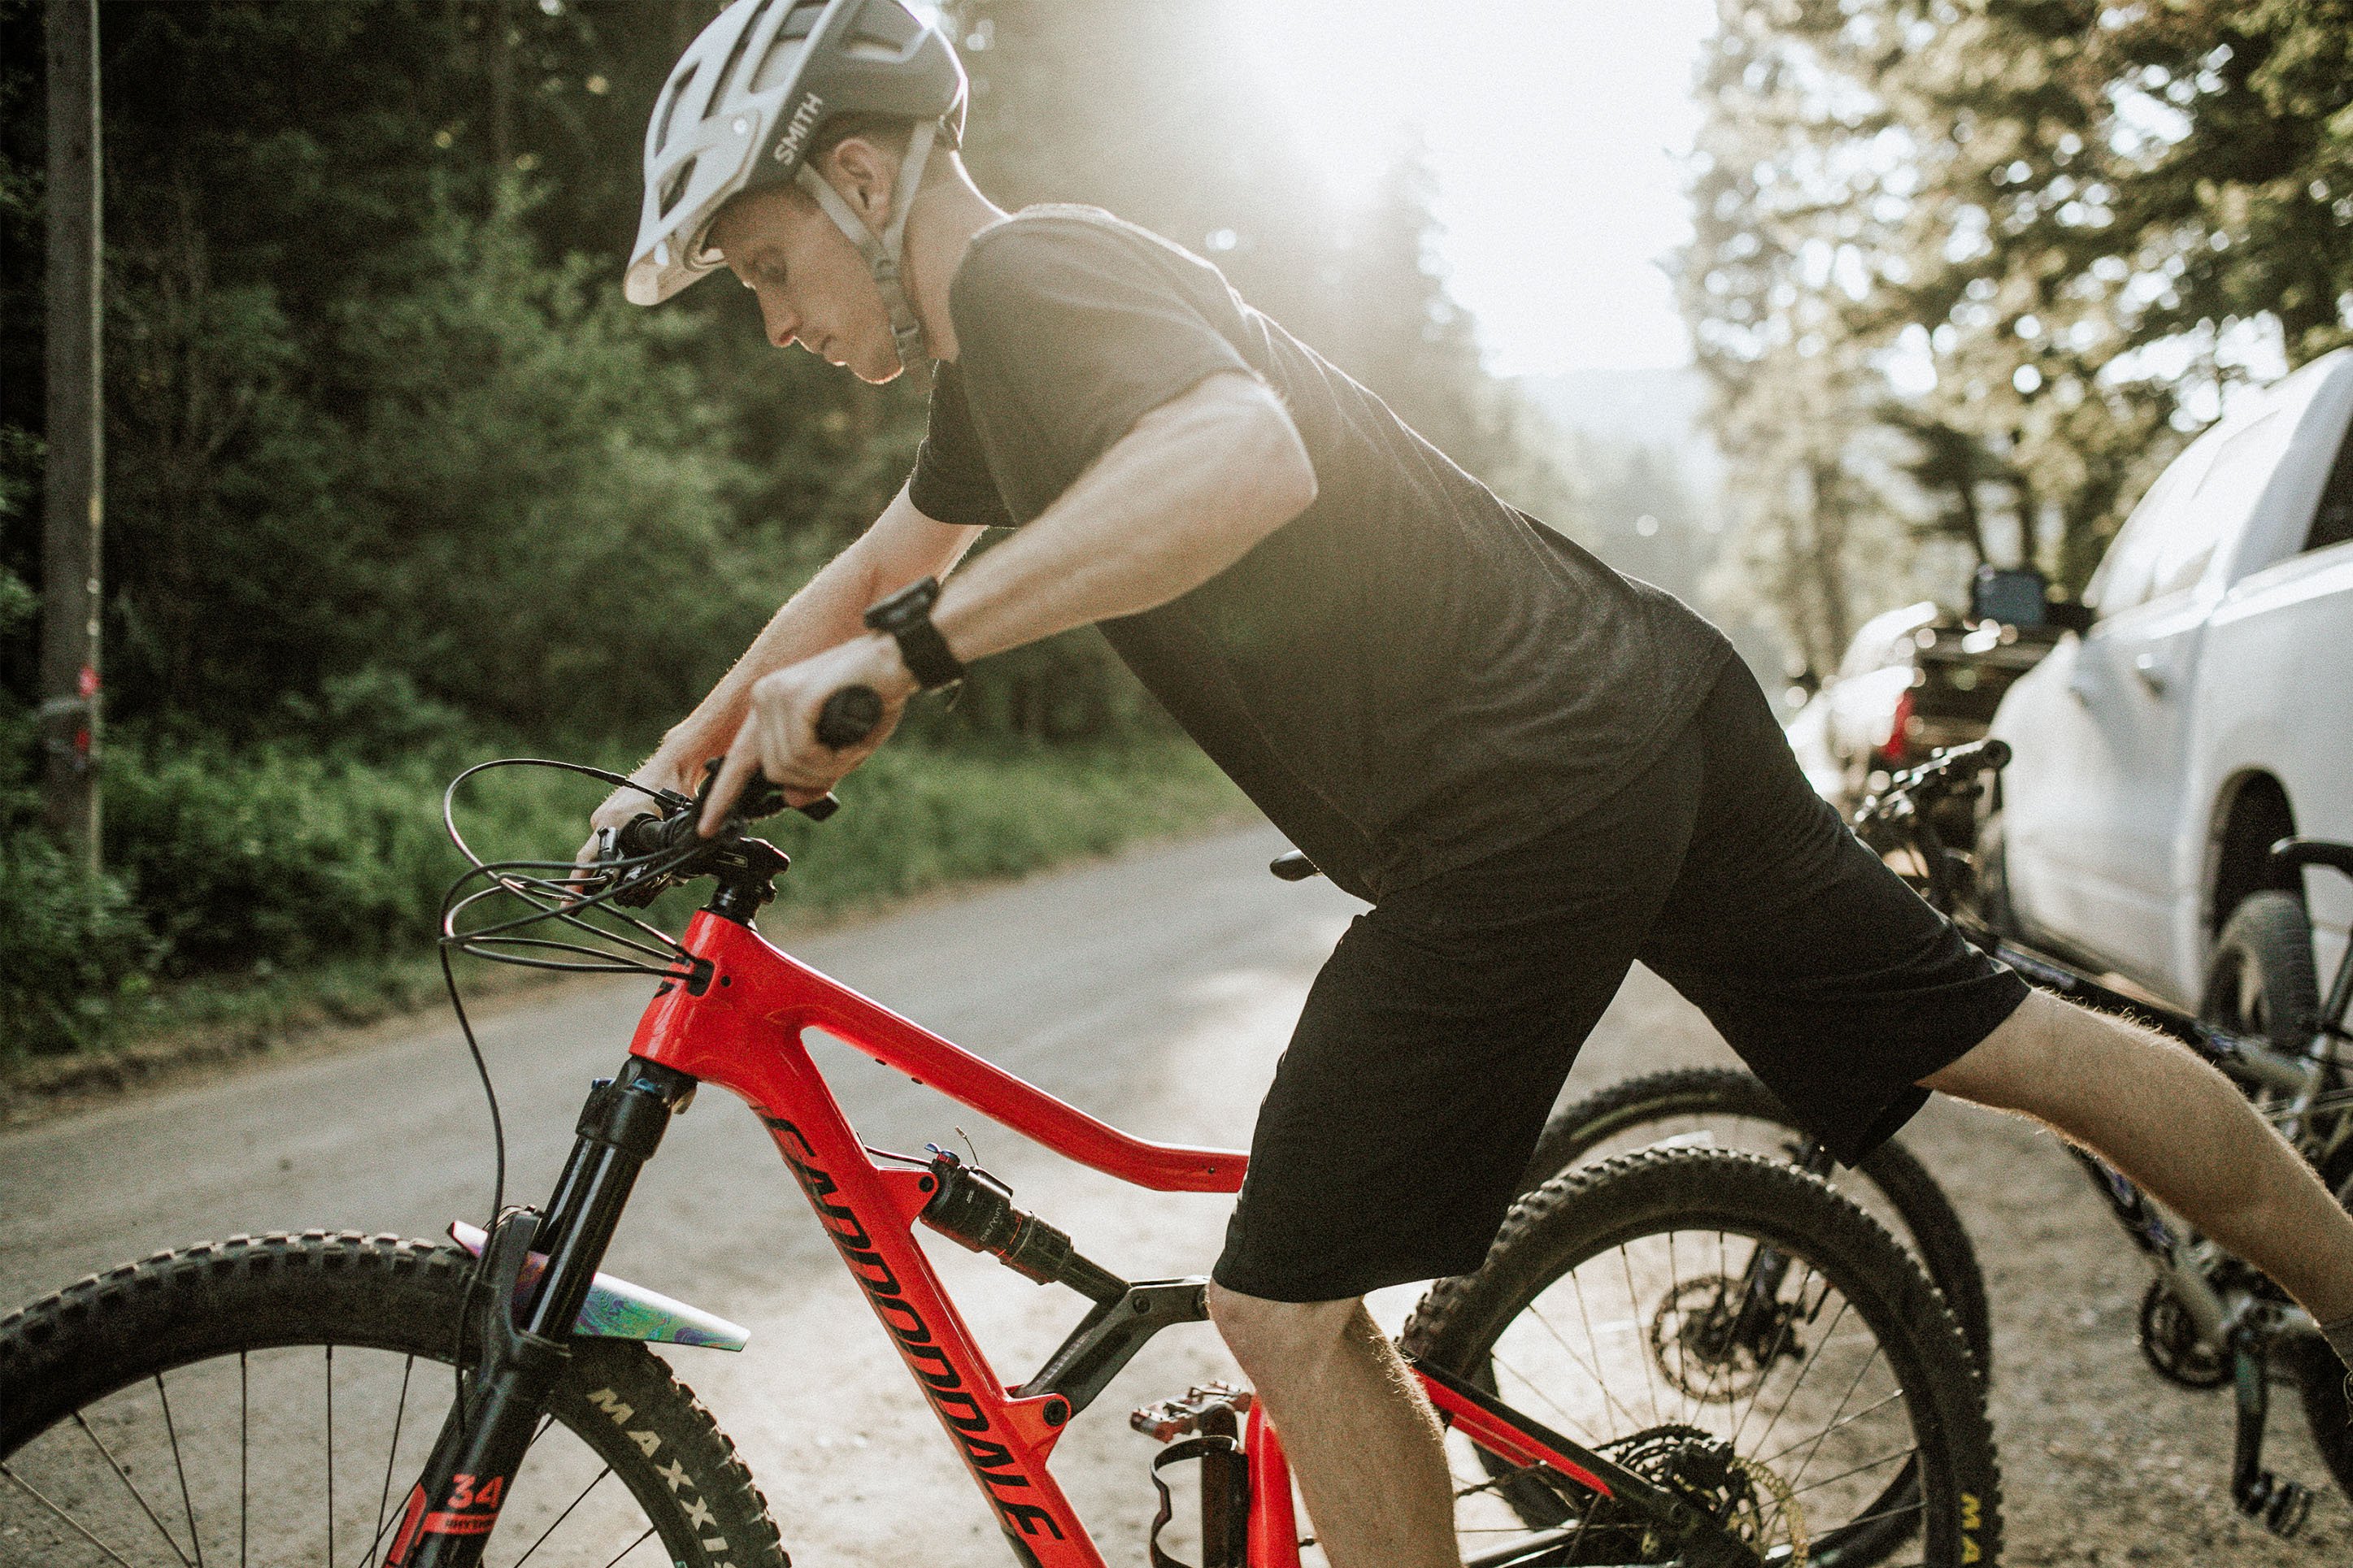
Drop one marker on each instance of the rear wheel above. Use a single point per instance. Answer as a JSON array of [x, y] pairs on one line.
[[270, 1400], [1735, 1330], [1726, 1108]]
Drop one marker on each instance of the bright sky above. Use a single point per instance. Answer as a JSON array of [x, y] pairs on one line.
[[1556, 129]]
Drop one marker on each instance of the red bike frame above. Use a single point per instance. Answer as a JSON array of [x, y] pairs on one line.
[[742, 1022]]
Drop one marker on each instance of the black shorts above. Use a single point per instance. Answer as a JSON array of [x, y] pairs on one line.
[[1438, 1035]]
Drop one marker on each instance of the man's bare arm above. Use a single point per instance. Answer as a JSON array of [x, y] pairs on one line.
[[1184, 495], [902, 545], [1174, 501]]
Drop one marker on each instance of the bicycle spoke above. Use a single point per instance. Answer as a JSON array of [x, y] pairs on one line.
[[1805, 1371], [1601, 1379], [1839, 1409], [186, 1503], [1683, 1355], [330, 1456], [632, 1546], [560, 1518], [76, 1525], [1867, 1465], [1875, 1405], [1591, 1365], [1768, 1357], [1641, 1351], [1558, 1409], [391, 1457], [136, 1495], [1915, 1506]]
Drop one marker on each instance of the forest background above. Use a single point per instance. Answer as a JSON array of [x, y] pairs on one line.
[[395, 481]]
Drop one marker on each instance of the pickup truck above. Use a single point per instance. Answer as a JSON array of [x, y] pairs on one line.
[[2201, 708]]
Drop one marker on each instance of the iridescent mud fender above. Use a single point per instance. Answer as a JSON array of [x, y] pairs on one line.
[[616, 1310]]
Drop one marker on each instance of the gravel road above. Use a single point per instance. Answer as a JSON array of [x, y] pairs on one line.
[[1155, 990]]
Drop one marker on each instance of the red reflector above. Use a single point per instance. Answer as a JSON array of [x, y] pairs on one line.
[[1898, 745]]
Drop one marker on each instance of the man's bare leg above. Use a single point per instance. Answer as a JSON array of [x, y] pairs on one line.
[[1359, 1431], [2178, 1129]]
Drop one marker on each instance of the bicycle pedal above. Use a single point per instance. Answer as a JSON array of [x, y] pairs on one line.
[[2282, 1505], [1214, 1404]]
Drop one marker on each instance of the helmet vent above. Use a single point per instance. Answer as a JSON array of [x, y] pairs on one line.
[[669, 105], [675, 186], [734, 59], [801, 19], [888, 24]]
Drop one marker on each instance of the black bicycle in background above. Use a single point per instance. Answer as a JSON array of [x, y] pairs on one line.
[[2207, 1318]]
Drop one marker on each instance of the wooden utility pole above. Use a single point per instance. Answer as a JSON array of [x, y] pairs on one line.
[[76, 496]]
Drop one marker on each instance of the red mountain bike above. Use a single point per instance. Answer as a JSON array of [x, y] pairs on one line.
[[1726, 1362]]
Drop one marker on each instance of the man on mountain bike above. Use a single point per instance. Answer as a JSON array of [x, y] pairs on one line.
[[1535, 770]]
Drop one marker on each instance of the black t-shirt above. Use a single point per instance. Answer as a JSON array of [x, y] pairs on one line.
[[1408, 676]]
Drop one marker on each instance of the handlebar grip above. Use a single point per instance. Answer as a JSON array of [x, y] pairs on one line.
[[849, 716], [650, 834]]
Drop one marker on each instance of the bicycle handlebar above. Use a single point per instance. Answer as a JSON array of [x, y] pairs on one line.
[[1908, 789], [849, 716], [1960, 761]]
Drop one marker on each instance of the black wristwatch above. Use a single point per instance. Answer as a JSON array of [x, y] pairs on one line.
[[906, 616]]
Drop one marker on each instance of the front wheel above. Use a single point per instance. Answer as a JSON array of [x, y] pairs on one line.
[[270, 1401], [1732, 1329]]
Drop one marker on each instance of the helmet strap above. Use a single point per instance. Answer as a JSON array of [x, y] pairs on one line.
[[883, 253]]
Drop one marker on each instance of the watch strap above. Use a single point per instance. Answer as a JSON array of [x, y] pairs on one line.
[[906, 617]]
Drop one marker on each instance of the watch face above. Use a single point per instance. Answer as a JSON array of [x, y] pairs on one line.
[[908, 606]]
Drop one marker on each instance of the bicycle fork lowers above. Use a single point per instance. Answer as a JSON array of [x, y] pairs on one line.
[[454, 1504]]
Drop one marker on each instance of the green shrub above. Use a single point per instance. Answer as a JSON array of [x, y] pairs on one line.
[[262, 863], [274, 857], [68, 951]]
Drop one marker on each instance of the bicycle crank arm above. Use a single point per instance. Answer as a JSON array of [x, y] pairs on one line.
[[2282, 1505]]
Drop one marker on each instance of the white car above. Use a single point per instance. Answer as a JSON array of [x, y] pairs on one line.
[[2205, 712]]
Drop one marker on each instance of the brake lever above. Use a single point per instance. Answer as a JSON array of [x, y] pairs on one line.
[[760, 798]]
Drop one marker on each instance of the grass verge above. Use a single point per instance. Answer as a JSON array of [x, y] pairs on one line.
[[913, 821]]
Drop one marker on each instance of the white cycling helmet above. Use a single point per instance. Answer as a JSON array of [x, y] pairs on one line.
[[741, 107]]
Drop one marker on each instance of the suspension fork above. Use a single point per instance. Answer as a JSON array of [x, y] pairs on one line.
[[454, 1502], [1768, 1267]]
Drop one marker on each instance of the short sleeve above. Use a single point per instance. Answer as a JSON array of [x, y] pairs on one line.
[[1068, 336], [951, 483]]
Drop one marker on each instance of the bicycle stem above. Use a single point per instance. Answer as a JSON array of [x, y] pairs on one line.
[[454, 1502]]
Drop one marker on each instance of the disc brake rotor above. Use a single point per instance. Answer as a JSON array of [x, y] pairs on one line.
[[1699, 1344]]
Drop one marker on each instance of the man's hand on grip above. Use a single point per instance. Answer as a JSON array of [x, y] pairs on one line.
[[778, 736]]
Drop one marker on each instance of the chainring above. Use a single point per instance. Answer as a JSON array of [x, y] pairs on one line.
[[2169, 1342]]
